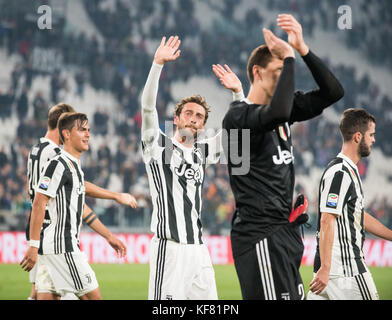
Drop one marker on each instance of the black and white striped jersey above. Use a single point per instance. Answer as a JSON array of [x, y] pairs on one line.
[[39, 156], [341, 193], [176, 176], [62, 181]]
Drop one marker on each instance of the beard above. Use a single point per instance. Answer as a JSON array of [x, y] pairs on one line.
[[363, 149]]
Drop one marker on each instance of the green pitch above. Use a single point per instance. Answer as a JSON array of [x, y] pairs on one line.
[[130, 282]]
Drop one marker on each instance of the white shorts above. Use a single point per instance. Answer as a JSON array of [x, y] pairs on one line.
[[65, 273], [359, 287], [180, 272], [33, 274]]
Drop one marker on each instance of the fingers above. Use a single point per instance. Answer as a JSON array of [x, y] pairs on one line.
[[121, 249], [163, 41], [228, 68], [218, 70], [27, 264], [317, 286]]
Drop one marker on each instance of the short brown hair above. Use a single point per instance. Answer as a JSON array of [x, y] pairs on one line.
[[260, 56], [55, 112], [195, 99], [355, 120], [68, 120]]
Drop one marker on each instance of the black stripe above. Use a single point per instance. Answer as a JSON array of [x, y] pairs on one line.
[[360, 287], [342, 246], [351, 192], [160, 268], [67, 227], [197, 207], [79, 214], [73, 271], [169, 196], [187, 206], [161, 226], [365, 286], [335, 185], [56, 229]]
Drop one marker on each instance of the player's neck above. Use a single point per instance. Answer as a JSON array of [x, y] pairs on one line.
[[184, 141], [53, 136], [351, 152], [72, 151], [258, 96]]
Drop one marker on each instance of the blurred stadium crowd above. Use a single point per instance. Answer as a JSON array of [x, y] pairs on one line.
[[118, 63]]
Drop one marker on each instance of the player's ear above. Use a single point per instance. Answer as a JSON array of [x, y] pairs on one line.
[[257, 73], [357, 137], [176, 120], [66, 134]]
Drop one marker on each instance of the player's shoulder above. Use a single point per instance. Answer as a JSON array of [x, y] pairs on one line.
[[334, 168]]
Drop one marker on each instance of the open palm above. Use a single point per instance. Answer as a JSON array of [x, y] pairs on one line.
[[167, 51], [227, 77]]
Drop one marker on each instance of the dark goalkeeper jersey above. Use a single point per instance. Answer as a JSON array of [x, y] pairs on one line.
[[264, 194]]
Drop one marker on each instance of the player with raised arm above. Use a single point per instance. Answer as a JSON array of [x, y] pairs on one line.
[[267, 248], [340, 271], [180, 264]]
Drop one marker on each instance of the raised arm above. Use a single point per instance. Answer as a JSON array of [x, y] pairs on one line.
[[229, 80], [330, 90], [167, 51]]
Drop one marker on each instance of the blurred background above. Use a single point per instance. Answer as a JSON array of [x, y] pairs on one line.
[[97, 56]]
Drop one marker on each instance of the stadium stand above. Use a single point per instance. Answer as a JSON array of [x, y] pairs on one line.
[[97, 56]]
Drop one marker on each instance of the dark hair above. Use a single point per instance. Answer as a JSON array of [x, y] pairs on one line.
[[55, 112], [354, 120], [260, 56], [68, 120], [195, 99]]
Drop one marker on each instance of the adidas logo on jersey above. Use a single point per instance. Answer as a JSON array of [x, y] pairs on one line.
[[284, 156]]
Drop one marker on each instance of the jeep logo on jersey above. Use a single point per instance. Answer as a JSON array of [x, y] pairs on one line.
[[284, 156], [188, 173]]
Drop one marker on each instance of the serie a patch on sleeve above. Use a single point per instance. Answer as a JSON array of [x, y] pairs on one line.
[[44, 183], [332, 200]]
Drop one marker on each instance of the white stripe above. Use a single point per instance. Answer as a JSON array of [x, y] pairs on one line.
[[269, 266], [263, 281]]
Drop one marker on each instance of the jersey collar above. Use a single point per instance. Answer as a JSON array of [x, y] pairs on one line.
[[43, 139], [347, 159], [71, 157]]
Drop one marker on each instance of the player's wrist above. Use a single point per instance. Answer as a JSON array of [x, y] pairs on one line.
[[303, 50], [34, 243]]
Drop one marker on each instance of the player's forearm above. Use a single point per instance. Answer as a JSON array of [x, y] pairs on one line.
[[149, 113], [375, 227], [37, 217], [94, 191], [326, 240], [330, 88], [91, 219], [150, 91], [281, 104]]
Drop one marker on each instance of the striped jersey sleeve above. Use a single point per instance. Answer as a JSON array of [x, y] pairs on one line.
[[52, 178], [335, 186]]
